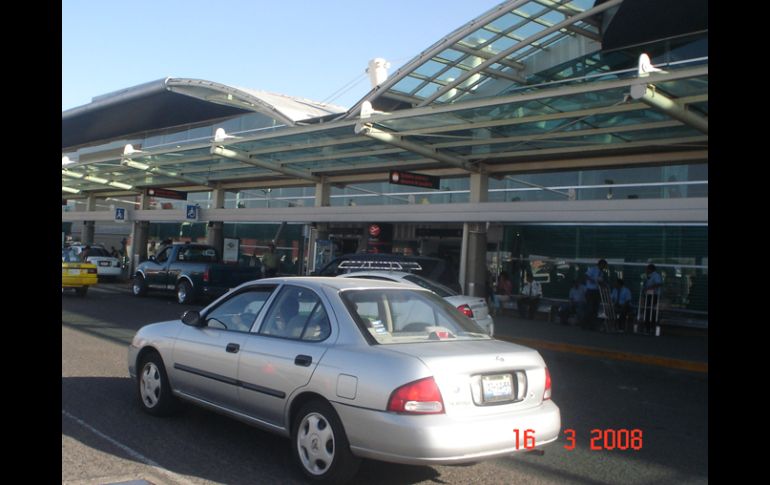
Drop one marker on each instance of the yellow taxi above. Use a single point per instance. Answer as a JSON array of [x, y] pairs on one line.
[[76, 273]]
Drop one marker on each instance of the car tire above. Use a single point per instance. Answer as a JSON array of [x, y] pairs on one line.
[[184, 293], [139, 286], [153, 387], [319, 445], [82, 291]]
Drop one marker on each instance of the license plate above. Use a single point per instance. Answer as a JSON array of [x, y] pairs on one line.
[[75, 272], [104, 263], [498, 387]]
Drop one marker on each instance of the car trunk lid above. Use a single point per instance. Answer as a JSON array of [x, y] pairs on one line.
[[482, 377]]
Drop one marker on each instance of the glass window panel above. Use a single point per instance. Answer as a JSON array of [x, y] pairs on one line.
[[407, 85], [450, 54], [530, 28], [430, 68], [502, 44]]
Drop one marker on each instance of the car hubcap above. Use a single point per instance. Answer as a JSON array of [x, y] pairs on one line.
[[315, 443], [137, 287], [149, 385], [182, 293]]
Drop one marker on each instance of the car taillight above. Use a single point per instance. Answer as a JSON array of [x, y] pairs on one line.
[[466, 310], [206, 276], [418, 397], [91, 270], [547, 393]]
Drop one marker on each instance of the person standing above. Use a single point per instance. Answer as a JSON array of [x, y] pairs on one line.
[[529, 300], [621, 300], [594, 278], [270, 261], [652, 286]]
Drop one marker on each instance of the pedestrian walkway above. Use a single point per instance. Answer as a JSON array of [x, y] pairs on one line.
[[686, 352]]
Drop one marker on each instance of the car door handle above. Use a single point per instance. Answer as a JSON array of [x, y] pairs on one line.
[[233, 348], [303, 360]]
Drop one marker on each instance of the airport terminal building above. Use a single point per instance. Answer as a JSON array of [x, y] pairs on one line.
[[540, 136]]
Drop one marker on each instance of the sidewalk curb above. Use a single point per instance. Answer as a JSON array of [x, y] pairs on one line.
[[687, 365]]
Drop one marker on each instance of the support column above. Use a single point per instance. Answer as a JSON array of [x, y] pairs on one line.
[[473, 264], [320, 231], [139, 234], [215, 234], [89, 226]]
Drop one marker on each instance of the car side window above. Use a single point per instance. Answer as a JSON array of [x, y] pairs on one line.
[[163, 255], [296, 313], [239, 312]]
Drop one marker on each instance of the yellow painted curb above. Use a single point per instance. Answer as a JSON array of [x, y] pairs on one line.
[[610, 354]]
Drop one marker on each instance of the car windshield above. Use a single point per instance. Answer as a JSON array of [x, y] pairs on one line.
[[393, 316], [436, 288], [198, 254], [100, 252]]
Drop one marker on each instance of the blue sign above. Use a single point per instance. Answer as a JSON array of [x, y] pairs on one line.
[[120, 214], [192, 212]]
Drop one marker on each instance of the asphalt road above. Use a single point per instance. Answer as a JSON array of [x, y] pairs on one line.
[[106, 438]]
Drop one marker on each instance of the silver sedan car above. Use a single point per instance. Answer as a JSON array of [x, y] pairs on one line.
[[350, 369]]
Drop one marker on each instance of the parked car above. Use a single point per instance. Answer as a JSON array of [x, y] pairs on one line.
[[432, 268], [75, 273], [106, 265], [471, 306], [350, 369], [192, 271]]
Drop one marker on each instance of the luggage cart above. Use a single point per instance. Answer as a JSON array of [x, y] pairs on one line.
[[648, 313], [610, 320]]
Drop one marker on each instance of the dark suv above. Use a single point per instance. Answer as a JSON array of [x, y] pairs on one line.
[[432, 268]]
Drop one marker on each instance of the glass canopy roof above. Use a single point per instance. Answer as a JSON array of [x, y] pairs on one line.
[[474, 100]]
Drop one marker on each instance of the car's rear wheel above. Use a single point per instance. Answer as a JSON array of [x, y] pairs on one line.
[[320, 446], [184, 293], [139, 286], [81, 291], [154, 389]]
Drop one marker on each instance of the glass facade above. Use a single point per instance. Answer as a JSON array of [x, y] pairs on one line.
[[559, 254]]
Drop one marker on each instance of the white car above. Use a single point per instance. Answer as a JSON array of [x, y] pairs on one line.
[[473, 307], [106, 265]]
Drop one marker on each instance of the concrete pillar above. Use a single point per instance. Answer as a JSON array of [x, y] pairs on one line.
[[89, 226], [473, 264], [215, 235], [322, 194], [139, 233]]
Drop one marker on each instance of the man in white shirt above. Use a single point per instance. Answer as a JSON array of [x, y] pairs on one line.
[[530, 298]]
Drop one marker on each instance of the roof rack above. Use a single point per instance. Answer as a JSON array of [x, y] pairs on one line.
[[381, 265]]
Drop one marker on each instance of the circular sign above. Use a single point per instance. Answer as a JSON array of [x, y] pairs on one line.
[[374, 230], [394, 177]]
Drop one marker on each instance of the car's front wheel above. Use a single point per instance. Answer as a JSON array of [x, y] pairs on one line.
[[154, 389], [139, 286], [320, 446]]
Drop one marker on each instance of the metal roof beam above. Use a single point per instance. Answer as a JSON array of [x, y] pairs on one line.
[[367, 129], [242, 157], [517, 46], [166, 173], [647, 94]]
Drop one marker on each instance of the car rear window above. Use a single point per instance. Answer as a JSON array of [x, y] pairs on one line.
[[436, 288], [392, 316], [98, 252]]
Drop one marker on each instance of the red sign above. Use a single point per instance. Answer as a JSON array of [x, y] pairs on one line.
[[374, 230], [167, 194], [399, 177]]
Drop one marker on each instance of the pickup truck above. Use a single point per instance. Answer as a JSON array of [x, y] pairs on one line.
[[192, 271]]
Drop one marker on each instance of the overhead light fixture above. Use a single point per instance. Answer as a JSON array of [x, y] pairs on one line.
[[136, 165], [70, 190], [98, 180], [65, 160], [120, 185], [129, 150], [70, 173], [220, 135]]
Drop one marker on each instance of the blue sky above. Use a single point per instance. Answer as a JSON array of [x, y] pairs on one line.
[[305, 48]]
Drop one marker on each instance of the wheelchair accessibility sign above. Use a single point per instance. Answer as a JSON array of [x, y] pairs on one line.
[[192, 213], [120, 214]]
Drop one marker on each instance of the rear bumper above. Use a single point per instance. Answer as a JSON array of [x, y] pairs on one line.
[[109, 270], [442, 439], [78, 281], [488, 324]]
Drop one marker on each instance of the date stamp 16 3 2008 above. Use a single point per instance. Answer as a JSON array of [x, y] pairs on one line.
[[601, 439]]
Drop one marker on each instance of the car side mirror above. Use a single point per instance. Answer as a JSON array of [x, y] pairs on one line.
[[192, 318], [151, 258]]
